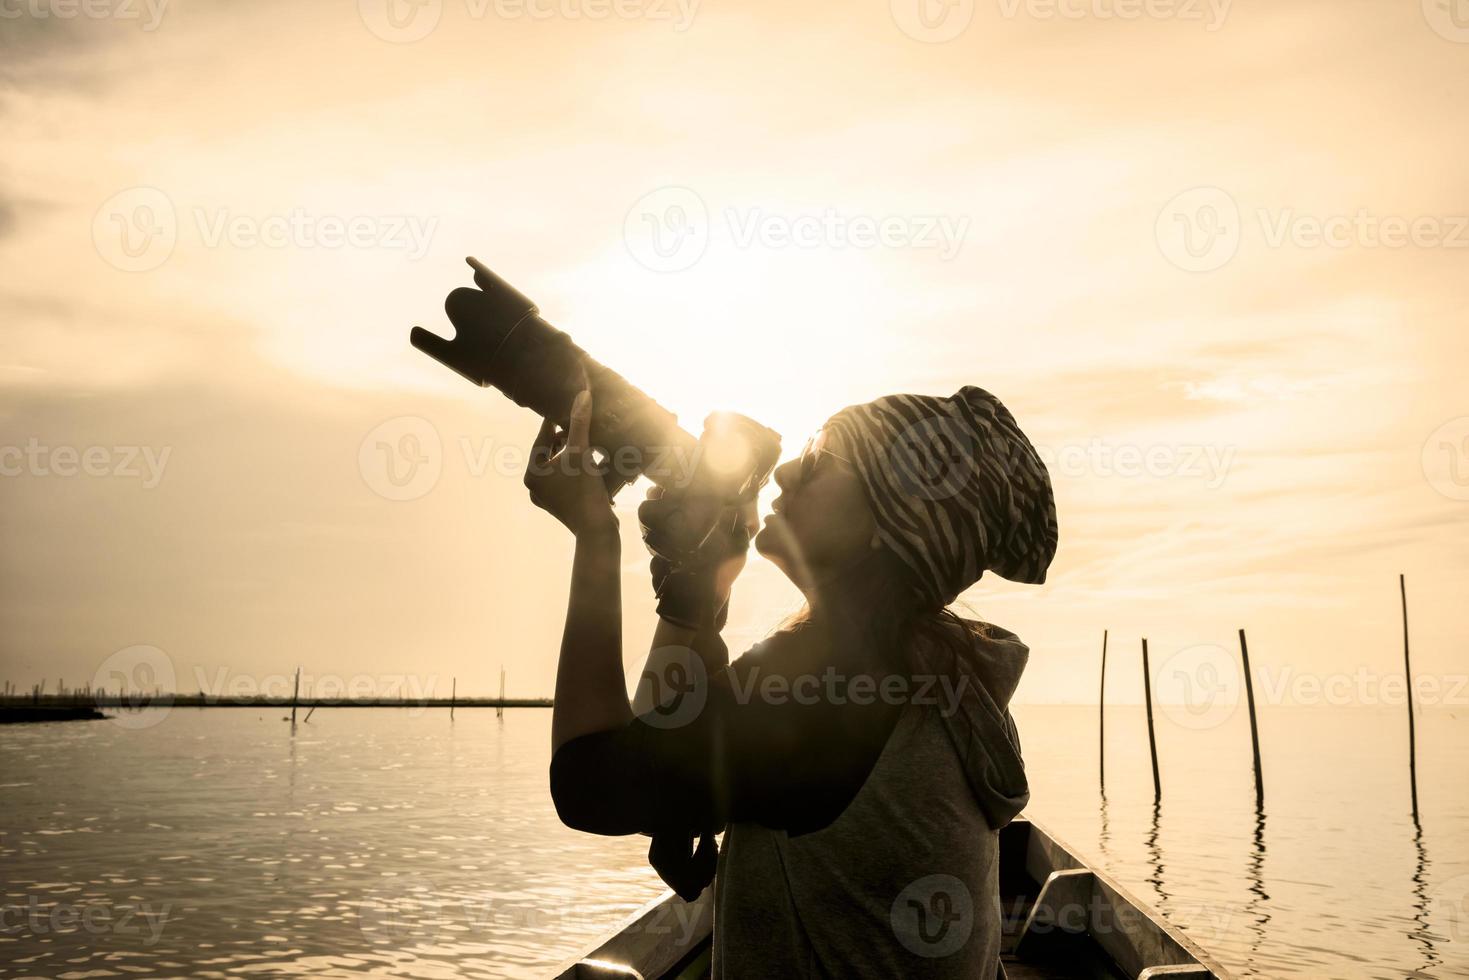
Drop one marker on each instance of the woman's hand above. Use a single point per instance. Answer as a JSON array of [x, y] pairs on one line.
[[695, 594], [567, 483]]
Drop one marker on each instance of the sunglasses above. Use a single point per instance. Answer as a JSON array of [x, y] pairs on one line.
[[816, 447]]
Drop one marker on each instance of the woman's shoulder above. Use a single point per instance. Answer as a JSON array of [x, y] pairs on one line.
[[785, 643]]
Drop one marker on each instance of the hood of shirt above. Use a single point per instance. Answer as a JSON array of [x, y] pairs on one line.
[[985, 665]]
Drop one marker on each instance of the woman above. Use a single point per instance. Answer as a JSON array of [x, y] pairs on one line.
[[861, 760]]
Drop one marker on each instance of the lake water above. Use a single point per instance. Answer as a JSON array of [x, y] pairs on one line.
[[395, 843]]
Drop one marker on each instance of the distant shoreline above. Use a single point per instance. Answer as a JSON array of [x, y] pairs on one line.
[[54, 708], [25, 714]]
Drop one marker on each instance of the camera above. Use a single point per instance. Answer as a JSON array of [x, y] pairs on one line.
[[501, 341]]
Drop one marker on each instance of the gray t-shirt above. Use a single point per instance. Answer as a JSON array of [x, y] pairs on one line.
[[903, 884], [860, 836]]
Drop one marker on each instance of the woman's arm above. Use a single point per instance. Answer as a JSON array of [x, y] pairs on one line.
[[591, 694], [734, 754], [706, 642]]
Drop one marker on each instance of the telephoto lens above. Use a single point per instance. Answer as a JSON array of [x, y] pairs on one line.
[[501, 341]]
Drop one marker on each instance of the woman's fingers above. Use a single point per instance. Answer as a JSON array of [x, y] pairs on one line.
[[749, 516], [578, 436], [543, 448], [561, 474]]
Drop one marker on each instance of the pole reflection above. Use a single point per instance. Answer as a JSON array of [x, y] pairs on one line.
[[1422, 931], [1155, 857], [1256, 912]]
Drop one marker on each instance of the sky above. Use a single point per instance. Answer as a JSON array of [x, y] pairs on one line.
[[1212, 255]]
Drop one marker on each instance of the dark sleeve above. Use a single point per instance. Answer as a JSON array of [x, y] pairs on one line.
[[778, 752]]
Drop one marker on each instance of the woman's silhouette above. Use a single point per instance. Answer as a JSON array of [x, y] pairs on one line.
[[861, 759]]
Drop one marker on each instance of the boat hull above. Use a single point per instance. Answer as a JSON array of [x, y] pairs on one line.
[[1061, 919]]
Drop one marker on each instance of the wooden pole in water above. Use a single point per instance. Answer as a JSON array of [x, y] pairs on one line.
[[1152, 741], [453, 693], [1408, 672], [500, 708], [1244, 654], [1101, 719], [296, 695]]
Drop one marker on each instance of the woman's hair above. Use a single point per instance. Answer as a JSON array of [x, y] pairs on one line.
[[875, 607]]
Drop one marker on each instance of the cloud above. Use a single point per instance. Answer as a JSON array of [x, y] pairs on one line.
[[264, 369]]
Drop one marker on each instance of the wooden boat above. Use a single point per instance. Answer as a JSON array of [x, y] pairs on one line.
[[1062, 920]]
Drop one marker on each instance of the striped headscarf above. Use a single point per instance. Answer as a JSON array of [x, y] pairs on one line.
[[955, 486]]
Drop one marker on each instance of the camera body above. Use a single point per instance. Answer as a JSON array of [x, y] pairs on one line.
[[501, 341]]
